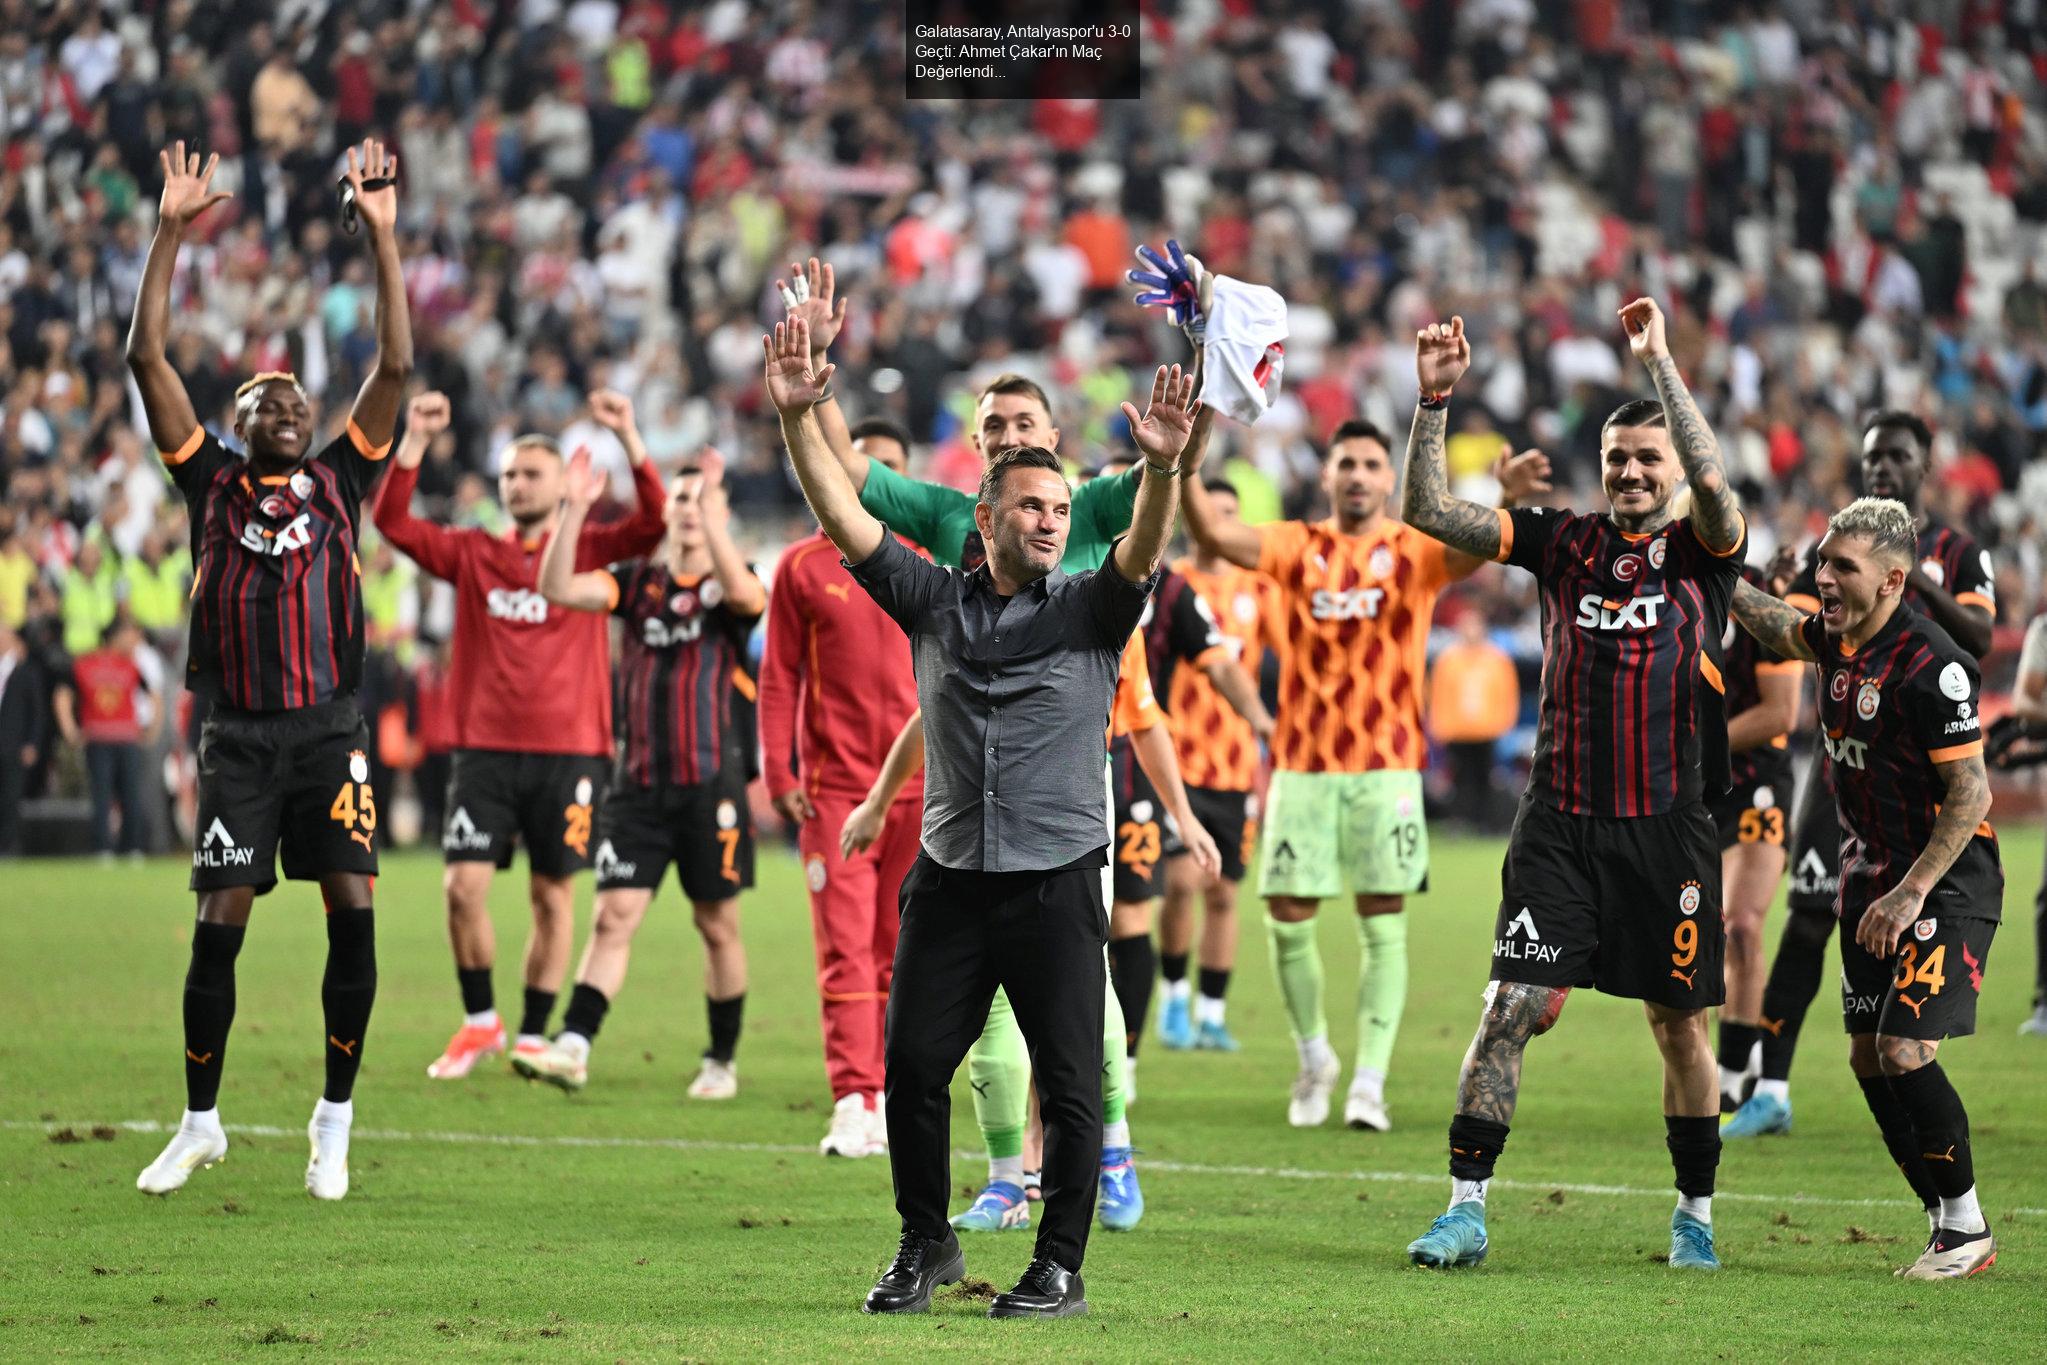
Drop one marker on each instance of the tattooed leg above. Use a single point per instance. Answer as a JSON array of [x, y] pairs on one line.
[[1491, 1079]]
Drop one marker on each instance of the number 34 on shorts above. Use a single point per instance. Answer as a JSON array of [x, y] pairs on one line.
[[1331, 834]]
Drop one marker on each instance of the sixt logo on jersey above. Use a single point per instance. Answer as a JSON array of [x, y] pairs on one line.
[[296, 536], [1637, 613], [658, 634], [1351, 604], [523, 605], [1850, 753]]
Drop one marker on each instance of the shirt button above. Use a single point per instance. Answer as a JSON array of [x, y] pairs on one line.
[[991, 793]]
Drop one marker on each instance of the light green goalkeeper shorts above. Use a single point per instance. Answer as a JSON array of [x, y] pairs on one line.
[[1330, 833]]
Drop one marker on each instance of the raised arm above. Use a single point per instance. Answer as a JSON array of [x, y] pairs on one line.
[[186, 195], [1955, 823], [1233, 540], [560, 584], [435, 548], [795, 388], [373, 173], [1441, 356], [1773, 621], [1716, 511], [1162, 435], [1969, 624], [640, 532], [744, 593], [811, 293]]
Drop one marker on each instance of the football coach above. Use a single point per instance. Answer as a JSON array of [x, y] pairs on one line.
[[1016, 669]]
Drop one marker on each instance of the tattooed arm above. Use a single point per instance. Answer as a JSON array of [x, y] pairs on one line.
[[1491, 1080], [1960, 813], [1774, 622], [1441, 355], [1716, 511]]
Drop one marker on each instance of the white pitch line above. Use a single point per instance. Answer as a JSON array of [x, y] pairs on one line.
[[1175, 1167]]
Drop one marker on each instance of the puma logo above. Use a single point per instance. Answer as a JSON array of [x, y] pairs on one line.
[[979, 1088], [1948, 1156], [192, 1056], [1907, 1000], [1773, 1027], [1685, 977], [360, 837], [840, 591], [348, 1047]]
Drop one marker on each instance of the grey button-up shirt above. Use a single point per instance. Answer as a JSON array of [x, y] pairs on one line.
[[1016, 698]]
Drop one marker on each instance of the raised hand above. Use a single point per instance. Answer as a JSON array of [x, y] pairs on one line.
[[1642, 320], [584, 484], [1441, 355], [428, 414], [1782, 571], [712, 504], [185, 185], [611, 410], [373, 172], [809, 294], [794, 385], [1520, 476], [1162, 432], [1172, 282]]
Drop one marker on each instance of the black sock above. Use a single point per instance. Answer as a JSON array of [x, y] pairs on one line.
[[347, 991], [1737, 1041], [1694, 1152], [1173, 966], [585, 1014], [1794, 981], [209, 1009], [539, 1005], [1896, 1126], [1475, 1144], [477, 995], [1133, 964], [724, 1016], [1214, 982], [1940, 1128]]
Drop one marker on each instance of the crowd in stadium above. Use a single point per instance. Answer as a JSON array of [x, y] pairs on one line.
[[1839, 217]]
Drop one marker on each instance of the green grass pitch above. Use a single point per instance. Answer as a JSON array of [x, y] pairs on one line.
[[495, 1220]]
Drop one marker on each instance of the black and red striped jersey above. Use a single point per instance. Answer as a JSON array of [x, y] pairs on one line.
[[277, 618], [686, 703], [1949, 557], [1632, 719], [1890, 712], [1743, 662], [1178, 628]]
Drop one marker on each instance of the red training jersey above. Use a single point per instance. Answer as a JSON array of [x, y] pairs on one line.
[[836, 682], [107, 682], [529, 677]]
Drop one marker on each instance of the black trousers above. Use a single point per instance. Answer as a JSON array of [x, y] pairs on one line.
[[1040, 936], [115, 774]]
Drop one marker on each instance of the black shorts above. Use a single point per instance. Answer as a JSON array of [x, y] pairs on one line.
[[291, 781], [1927, 989], [1231, 820], [1815, 859], [1757, 810], [1141, 827], [705, 830], [1630, 906], [497, 799]]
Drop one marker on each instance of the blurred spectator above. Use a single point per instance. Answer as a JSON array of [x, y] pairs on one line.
[[1473, 699], [24, 731], [100, 710]]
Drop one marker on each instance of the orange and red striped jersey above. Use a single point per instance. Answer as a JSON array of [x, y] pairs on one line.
[[1136, 706], [1215, 745], [1355, 612]]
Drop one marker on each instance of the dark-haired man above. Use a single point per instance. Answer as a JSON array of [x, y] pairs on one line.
[[1343, 814], [533, 732], [1012, 660], [1612, 873], [1922, 887], [1951, 584], [277, 643]]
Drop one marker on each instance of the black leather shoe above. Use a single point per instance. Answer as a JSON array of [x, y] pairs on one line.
[[922, 1264], [1047, 1290]]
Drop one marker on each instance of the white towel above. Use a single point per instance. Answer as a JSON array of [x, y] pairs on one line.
[[1246, 332]]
